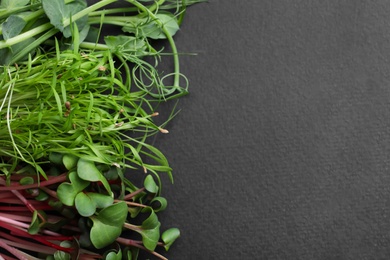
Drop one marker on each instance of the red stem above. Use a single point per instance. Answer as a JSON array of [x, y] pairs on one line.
[[23, 244], [23, 233], [17, 186], [131, 195], [20, 255]]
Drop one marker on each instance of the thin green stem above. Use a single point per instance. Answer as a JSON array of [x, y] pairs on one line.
[[25, 36], [176, 81], [87, 10]]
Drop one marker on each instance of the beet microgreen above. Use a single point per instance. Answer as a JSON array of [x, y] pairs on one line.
[[75, 114]]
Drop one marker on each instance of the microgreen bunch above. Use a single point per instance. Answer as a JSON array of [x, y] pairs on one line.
[[76, 114]]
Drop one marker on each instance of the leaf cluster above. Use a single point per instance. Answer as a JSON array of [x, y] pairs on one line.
[[75, 114]]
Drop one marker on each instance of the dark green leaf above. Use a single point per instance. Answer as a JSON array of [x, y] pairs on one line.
[[55, 158], [26, 181], [60, 255], [42, 196], [10, 4], [107, 225], [58, 12], [13, 26]]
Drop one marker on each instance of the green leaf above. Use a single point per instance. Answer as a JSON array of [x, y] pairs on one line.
[[42, 196], [159, 204], [34, 226], [85, 205], [150, 185], [169, 236], [107, 225], [26, 181], [101, 200], [125, 44], [149, 28], [114, 256], [150, 237], [7, 54], [10, 4], [60, 255], [56, 158], [74, 8], [88, 171], [131, 253], [69, 161], [58, 12], [13, 26], [150, 230], [67, 192]]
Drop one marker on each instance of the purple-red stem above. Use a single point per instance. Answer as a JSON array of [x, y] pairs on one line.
[[17, 186]]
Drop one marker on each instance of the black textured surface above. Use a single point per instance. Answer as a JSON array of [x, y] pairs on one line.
[[281, 150]]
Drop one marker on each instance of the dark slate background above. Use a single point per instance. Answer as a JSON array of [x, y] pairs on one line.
[[281, 151]]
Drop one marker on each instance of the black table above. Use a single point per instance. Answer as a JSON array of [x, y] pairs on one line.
[[282, 148]]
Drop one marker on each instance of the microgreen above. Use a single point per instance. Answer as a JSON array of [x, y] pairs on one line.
[[76, 115]]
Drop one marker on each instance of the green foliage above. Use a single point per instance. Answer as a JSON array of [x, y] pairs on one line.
[[58, 12], [87, 202], [87, 170], [108, 224], [150, 185], [153, 28], [75, 115], [67, 191], [169, 236]]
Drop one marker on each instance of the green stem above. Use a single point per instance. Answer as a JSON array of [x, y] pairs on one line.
[[87, 10], [114, 20], [33, 45], [176, 80], [155, 5], [94, 46], [113, 11], [25, 36], [18, 10]]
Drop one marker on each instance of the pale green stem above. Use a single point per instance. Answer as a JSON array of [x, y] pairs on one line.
[[176, 81]]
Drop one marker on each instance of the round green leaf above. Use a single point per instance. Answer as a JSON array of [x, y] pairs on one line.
[[69, 161], [85, 205], [107, 226]]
